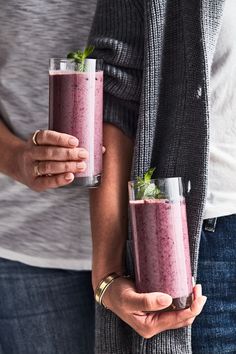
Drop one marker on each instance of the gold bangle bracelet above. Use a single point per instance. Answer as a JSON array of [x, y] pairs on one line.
[[103, 286]]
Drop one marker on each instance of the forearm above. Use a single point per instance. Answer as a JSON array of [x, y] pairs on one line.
[[109, 205], [9, 144]]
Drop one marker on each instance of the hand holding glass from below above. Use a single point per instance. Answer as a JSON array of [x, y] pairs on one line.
[[160, 239]]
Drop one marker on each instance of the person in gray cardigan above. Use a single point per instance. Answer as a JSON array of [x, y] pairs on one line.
[[157, 61]]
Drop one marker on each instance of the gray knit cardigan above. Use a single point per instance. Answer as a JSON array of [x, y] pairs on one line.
[[158, 56]]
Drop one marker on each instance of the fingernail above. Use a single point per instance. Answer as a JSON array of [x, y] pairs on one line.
[[83, 154], [204, 300], [164, 299], [73, 141], [197, 291], [69, 176], [81, 165], [201, 300]]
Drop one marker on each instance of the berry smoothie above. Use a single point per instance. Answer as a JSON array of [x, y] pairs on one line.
[[161, 249], [76, 108]]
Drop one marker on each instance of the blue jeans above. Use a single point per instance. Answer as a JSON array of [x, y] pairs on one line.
[[45, 311], [214, 331]]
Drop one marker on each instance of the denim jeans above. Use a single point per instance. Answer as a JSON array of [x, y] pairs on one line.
[[45, 311], [214, 331]]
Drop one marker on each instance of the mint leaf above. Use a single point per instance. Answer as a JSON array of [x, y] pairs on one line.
[[148, 174], [88, 51], [79, 58], [151, 191], [70, 55], [145, 189]]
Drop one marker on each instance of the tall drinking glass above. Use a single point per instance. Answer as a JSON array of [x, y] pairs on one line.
[[76, 108], [160, 240]]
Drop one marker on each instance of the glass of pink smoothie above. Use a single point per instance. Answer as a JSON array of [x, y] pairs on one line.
[[160, 240], [76, 108]]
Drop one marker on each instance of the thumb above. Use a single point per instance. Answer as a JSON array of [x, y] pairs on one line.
[[149, 301]]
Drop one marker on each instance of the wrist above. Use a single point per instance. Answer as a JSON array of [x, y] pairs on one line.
[[103, 287], [10, 164], [10, 148], [108, 258], [98, 276]]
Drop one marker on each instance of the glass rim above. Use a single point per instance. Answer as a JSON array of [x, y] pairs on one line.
[[89, 66], [71, 60], [132, 182]]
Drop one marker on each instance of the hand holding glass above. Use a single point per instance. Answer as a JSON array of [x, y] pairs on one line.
[[76, 108]]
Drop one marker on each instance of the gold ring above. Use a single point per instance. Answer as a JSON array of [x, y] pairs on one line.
[[36, 170], [35, 136]]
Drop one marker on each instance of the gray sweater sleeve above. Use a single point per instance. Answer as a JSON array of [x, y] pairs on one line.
[[117, 34]]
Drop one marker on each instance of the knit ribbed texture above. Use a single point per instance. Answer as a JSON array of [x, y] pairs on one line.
[[158, 55], [118, 34]]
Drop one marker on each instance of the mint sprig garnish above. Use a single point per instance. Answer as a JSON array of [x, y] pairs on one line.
[[79, 58], [145, 188]]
